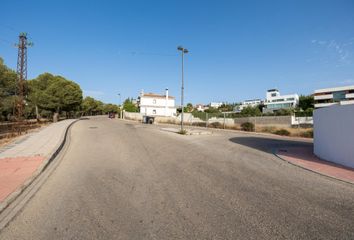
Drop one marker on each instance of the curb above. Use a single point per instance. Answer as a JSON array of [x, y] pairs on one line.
[[14, 195], [310, 170], [301, 139]]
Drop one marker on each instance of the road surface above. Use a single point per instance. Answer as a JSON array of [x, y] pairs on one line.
[[123, 180]]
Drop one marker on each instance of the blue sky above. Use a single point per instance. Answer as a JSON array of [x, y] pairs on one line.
[[238, 49]]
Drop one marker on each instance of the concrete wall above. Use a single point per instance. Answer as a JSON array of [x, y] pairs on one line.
[[334, 134], [276, 121], [133, 116]]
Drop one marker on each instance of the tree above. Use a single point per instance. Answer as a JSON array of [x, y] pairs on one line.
[[129, 106], [251, 111], [36, 88], [89, 106], [110, 108], [306, 102], [227, 107], [55, 94], [188, 108], [212, 110], [8, 79]]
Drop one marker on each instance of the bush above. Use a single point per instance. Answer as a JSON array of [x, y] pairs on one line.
[[215, 125], [182, 132], [269, 129], [282, 132], [247, 126], [307, 134]]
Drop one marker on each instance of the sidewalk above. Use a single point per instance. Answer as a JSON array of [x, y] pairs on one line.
[[304, 157], [22, 160]]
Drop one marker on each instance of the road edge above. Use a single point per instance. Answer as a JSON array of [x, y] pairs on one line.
[[311, 170], [14, 195]]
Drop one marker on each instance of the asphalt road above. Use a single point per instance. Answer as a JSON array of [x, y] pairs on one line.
[[124, 180]]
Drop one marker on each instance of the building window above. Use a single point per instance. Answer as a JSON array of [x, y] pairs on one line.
[[154, 111], [154, 102], [338, 96]]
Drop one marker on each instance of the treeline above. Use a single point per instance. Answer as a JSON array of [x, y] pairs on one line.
[[47, 96]]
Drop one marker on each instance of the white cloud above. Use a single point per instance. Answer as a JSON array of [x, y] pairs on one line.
[[340, 49]]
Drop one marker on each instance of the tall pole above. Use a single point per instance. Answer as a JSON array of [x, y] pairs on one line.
[[120, 105], [21, 72], [182, 92], [183, 50]]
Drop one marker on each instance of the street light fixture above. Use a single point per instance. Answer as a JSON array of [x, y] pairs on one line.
[[183, 50]]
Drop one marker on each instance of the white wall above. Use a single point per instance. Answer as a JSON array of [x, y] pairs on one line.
[[157, 106], [334, 134]]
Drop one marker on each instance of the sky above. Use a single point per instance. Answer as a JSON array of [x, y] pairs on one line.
[[237, 49]]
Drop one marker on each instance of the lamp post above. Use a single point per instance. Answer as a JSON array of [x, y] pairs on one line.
[[183, 50], [120, 105]]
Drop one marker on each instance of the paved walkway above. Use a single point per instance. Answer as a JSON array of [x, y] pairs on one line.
[[304, 157], [24, 158]]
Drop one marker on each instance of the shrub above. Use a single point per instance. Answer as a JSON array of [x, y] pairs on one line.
[[215, 125], [199, 124], [182, 132], [269, 129], [247, 126], [307, 134], [282, 132]]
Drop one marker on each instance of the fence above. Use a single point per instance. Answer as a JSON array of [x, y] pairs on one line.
[[227, 120], [12, 129]]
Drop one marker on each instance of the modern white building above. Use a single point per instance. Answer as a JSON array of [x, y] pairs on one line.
[[332, 96], [274, 101], [152, 104], [248, 103], [215, 104]]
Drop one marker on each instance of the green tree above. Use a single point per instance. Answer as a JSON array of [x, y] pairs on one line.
[[227, 107], [129, 106], [107, 108], [36, 89], [8, 79], [212, 110], [306, 102], [188, 108], [251, 111], [55, 94], [89, 106]]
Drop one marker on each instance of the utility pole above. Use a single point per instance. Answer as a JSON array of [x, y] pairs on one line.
[[120, 105], [21, 72], [183, 50]]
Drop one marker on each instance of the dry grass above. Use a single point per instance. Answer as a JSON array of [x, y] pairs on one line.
[[11, 137], [294, 132]]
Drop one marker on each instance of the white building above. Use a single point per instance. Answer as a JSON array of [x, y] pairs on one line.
[[157, 105], [248, 103], [332, 96], [200, 107], [274, 101], [215, 104]]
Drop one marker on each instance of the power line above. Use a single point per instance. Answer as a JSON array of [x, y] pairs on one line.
[[8, 27], [136, 53]]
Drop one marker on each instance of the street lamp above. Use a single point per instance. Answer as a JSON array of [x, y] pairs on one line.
[[120, 105], [183, 50]]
